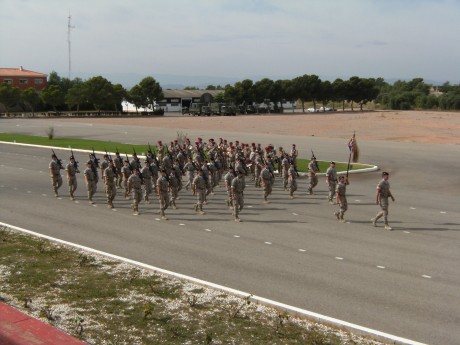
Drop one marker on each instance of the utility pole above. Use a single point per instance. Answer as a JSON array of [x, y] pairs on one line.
[[69, 27]]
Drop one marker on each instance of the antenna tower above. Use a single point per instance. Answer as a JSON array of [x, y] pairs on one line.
[[69, 27]]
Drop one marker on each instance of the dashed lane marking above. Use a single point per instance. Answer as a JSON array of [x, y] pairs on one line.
[[302, 250], [43, 194], [267, 242], [381, 267], [209, 230], [236, 236], [443, 212], [114, 209], [249, 206], [295, 214], [412, 208], [425, 276], [157, 219], [406, 232], [181, 224], [338, 258]]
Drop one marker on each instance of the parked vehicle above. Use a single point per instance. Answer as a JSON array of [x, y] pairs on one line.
[[312, 110]]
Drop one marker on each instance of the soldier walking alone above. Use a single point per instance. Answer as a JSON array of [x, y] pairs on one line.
[[382, 195]]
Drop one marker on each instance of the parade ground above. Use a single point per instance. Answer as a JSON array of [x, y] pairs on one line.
[[402, 282]]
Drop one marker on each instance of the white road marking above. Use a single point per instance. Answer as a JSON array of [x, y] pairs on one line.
[[157, 219], [425, 276], [302, 250], [239, 293], [29, 191], [94, 205], [182, 224], [249, 206], [208, 230], [294, 214], [357, 200], [77, 202], [406, 232], [443, 212], [412, 208], [382, 267], [338, 258], [43, 194], [114, 209], [267, 242], [236, 236]]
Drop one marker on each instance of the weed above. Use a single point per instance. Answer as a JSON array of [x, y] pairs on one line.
[[235, 307], [47, 312], [50, 133], [148, 309], [27, 300], [86, 260], [5, 234], [78, 321], [192, 300], [41, 246]]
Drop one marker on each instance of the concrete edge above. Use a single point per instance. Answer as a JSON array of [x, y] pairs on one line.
[[332, 322], [357, 171]]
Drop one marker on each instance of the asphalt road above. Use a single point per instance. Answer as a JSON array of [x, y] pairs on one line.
[[404, 282]]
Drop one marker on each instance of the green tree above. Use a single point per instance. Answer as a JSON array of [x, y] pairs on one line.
[[119, 94], [151, 90], [307, 88], [76, 96], [9, 96], [31, 98], [99, 92], [136, 97], [54, 96]]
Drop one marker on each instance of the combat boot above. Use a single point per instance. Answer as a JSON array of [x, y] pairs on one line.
[[196, 207], [163, 216], [388, 227], [201, 210], [374, 221], [336, 214]]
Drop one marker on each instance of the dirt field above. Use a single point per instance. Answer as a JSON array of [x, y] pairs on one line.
[[402, 126]]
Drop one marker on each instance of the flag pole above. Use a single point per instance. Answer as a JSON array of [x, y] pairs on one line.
[[350, 148]]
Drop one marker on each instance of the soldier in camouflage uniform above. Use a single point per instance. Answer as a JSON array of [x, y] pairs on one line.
[[259, 162], [173, 189], [72, 171], [126, 173], [341, 198], [382, 195], [266, 178], [118, 163], [55, 173], [199, 189], [237, 189], [135, 186], [162, 191], [228, 178], [331, 181], [147, 180], [292, 180], [313, 178], [284, 170], [136, 163], [90, 180], [109, 181], [189, 169], [104, 165]]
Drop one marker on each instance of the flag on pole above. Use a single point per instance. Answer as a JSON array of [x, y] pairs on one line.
[[354, 149]]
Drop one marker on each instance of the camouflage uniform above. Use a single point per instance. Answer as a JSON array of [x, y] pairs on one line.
[[331, 180], [237, 187], [292, 180], [199, 188], [135, 185], [147, 179], [163, 196], [72, 178], [90, 181], [189, 170], [55, 173], [313, 178], [110, 187], [284, 171], [266, 178], [118, 163], [258, 168], [383, 193], [341, 198], [126, 172], [228, 178], [173, 189]]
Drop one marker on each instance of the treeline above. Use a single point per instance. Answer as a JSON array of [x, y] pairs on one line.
[[95, 94], [98, 93]]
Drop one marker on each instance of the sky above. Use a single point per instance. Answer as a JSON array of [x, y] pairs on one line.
[[239, 39]]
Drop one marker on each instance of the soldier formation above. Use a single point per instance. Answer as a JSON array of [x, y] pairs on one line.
[[201, 167]]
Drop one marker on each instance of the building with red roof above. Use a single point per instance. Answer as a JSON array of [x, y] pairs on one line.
[[23, 79]]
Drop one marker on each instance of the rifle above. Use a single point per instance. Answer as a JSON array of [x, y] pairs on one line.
[[96, 160], [349, 158], [58, 160], [313, 156], [131, 167], [114, 169], [75, 163]]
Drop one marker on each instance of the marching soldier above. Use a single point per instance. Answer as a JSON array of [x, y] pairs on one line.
[[292, 180], [147, 179], [228, 178], [55, 173], [104, 165], [266, 178], [259, 162], [118, 164], [72, 170], [313, 178], [135, 185], [294, 153], [341, 198], [199, 189], [382, 195], [126, 173], [90, 180], [284, 170], [189, 169], [331, 181], [237, 189], [94, 166], [162, 191], [109, 181], [135, 162], [173, 189]]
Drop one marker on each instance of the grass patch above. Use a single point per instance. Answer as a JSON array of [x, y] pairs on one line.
[[103, 301], [111, 146]]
